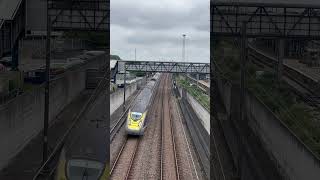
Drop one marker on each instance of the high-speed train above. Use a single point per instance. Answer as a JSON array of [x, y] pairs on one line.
[[84, 155], [155, 77], [137, 115]]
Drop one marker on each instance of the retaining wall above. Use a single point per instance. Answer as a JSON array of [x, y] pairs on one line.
[[268, 139], [201, 112], [21, 119], [294, 159], [116, 98]]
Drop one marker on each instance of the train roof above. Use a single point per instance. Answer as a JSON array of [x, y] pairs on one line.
[[88, 141], [143, 98]]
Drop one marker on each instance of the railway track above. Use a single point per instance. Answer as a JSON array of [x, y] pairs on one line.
[[200, 137], [304, 87], [121, 168], [168, 159], [137, 160]]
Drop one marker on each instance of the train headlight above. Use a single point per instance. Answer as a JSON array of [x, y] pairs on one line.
[[140, 124]]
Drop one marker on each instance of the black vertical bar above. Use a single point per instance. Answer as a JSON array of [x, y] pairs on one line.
[[146, 73], [47, 93], [242, 91], [2, 40], [285, 22], [12, 46], [309, 25], [15, 55], [124, 89], [243, 64], [280, 58], [260, 23], [237, 11]]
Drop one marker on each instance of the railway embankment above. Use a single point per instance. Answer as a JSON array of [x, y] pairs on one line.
[[197, 119], [198, 99]]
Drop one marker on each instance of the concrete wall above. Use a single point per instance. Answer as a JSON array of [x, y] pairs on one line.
[[268, 141], [200, 111], [290, 153], [116, 98], [22, 118]]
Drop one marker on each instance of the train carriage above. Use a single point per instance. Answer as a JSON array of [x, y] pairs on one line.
[[137, 115]]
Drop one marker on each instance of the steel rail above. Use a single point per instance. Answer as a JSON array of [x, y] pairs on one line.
[[172, 136], [118, 156], [186, 139], [132, 159], [162, 134], [121, 153]]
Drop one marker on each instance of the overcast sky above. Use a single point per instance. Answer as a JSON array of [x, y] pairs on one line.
[[155, 29]]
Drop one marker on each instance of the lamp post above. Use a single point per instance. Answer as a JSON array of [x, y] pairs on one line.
[[183, 47]]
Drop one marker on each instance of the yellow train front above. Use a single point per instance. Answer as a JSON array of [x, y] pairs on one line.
[[136, 123], [137, 119], [84, 154]]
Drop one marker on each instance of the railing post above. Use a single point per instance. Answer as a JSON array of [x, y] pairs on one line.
[[124, 89], [47, 92], [280, 57]]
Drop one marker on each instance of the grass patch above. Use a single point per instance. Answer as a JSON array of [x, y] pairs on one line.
[[194, 91]]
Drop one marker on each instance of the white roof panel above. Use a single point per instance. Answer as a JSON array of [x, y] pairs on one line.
[[8, 8]]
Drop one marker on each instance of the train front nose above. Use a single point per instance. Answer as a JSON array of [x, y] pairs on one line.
[[134, 129], [135, 123]]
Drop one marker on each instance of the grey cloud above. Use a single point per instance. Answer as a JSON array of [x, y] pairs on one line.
[[153, 18], [156, 30]]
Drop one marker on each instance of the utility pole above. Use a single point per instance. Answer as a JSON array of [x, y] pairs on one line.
[[243, 68], [47, 92], [124, 89], [183, 47], [280, 55], [244, 52], [135, 54]]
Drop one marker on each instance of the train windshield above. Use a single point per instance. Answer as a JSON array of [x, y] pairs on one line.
[[81, 169], [136, 115]]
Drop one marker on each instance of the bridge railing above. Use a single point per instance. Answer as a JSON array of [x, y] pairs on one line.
[[164, 67]]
